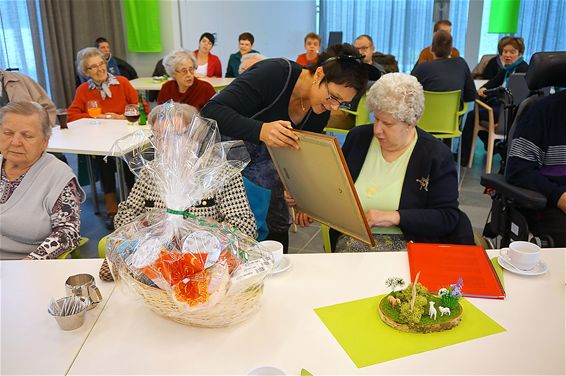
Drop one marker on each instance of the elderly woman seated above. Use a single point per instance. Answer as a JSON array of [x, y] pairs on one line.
[[185, 87], [39, 195], [112, 94], [405, 178], [228, 205]]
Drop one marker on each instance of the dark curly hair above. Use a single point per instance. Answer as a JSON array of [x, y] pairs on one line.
[[343, 65]]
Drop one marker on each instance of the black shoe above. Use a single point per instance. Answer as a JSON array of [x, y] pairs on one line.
[[109, 223]]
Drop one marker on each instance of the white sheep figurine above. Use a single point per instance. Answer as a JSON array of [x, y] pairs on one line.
[[431, 310], [444, 310]]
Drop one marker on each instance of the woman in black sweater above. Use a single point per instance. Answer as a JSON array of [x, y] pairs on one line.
[[275, 96]]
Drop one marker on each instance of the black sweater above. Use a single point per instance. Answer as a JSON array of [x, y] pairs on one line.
[[537, 158], [428, 214], [261, 94]]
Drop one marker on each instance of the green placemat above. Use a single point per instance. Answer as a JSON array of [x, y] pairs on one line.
[[367, 340], [498, 270]]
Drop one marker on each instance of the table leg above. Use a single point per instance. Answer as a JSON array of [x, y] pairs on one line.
[[122, 186], [92, 180]]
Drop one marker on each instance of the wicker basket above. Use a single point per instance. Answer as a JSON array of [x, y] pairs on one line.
[[231, 309]]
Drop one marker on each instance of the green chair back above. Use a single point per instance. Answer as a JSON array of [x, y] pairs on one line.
[[361, 114], [441, 116], [102, 247]]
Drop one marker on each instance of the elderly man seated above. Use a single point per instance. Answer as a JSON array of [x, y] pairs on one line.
[[39, 195], [537, 161]]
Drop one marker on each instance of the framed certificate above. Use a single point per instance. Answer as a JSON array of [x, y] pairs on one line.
[[318, 178]]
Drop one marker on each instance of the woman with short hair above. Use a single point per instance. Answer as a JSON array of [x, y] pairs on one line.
[[405, 178], [208, 65], [112, 93], [40, 198], [185, 87]]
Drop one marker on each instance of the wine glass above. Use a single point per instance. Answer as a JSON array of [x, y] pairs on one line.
[[93, 108], [132, 113]]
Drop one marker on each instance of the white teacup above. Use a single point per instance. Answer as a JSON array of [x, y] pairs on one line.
[[275, 248], [522, 255]]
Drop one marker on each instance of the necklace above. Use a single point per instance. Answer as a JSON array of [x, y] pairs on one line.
[[302, 105]]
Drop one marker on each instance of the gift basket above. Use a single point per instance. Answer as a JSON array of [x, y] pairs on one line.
[[189, 269]]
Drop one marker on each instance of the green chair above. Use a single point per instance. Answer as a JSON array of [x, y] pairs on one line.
[[442, 115], [75, 252], [361, 114], [102, 247], [325, 233]]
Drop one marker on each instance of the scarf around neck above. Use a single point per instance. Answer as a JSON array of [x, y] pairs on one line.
[[104, 87], [511, 68]]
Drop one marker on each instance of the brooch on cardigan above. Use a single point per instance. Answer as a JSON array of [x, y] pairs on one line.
[[423, 183]]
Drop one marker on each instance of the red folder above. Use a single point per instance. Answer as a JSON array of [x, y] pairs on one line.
[[442, 264]]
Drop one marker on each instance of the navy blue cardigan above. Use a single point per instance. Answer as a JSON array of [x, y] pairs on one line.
[[429, 198]]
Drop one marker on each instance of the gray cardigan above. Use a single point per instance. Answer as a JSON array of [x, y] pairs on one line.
[[25, 218]]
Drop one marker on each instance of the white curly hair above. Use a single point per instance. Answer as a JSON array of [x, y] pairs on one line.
[[176, 58], [398, 94]]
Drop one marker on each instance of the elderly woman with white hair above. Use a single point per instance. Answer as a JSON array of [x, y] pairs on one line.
[[405, 178], [185, 87], [40, 198]]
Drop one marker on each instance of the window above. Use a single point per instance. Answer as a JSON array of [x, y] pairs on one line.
[[16, 41], [541, 24], [398, 27]]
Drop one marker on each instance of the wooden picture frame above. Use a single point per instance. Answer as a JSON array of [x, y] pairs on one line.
[[319, 180]]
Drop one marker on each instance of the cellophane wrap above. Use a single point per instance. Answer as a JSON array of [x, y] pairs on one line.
[[196, 261]]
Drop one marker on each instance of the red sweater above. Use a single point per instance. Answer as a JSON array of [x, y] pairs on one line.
[[302, 59], [197, 95], [214, 68], [122, 95]]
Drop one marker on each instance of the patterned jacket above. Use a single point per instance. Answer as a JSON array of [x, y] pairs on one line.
[[230, 204]]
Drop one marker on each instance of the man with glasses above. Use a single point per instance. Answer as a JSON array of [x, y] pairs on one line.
[[426, 53]]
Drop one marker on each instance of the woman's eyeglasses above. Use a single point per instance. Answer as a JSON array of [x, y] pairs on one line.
[[96, 67], [334, 100], [190, 70]]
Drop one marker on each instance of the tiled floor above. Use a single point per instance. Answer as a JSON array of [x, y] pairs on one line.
[[308, 240]]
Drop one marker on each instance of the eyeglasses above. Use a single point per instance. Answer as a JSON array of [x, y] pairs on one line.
[[334, 100], [363, 48], [97, 67], [190, 70]]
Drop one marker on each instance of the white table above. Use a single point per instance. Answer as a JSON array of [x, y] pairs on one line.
[[32, 342], [94, 137], [147, 83], [287, 334]]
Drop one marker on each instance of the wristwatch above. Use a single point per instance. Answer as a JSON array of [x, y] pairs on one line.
[[108, 116]]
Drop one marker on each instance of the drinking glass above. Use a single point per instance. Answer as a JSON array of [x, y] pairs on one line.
[[132, 113], [93, 108]]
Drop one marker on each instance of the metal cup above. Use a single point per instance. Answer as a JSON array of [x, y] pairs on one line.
[[62, 118], [83, 285], [69, 322]]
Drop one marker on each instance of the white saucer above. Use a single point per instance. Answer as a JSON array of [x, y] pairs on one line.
[[283, 265], [539, 268]]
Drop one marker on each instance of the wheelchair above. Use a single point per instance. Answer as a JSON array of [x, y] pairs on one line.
[[506, 222]]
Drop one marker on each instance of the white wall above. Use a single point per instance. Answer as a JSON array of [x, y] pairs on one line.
[[278, 26]]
